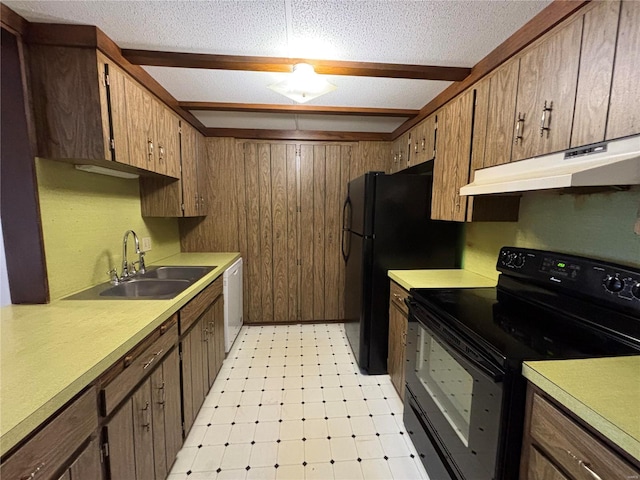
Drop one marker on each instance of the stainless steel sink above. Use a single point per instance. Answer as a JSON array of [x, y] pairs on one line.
[[182, 273], [157, 283], [147, 288]]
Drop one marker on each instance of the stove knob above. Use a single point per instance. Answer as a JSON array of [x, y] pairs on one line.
[[635, 290], [613, 284], [518, 261]]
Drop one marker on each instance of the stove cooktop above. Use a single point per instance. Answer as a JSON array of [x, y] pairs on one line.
[[512, 329]]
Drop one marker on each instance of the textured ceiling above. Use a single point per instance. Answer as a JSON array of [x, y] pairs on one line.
[[451, 33]]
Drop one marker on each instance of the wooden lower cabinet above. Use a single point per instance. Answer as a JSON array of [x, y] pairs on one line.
[[53, 449], [555, 447], [88, 464], [398, 322], [202, 352], [145, 434]]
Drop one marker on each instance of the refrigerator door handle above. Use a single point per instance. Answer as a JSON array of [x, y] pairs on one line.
[[346, 229]]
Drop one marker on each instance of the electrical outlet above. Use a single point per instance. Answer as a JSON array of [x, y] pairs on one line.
[[146, 244]]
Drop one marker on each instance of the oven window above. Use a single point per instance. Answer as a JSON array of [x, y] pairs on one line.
[[447, 382]]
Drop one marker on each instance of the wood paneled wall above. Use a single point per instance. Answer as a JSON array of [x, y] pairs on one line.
[[280, 205]]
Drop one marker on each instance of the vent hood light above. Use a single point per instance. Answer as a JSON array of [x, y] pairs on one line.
[[612, 163], [106, 171], [303, 84]]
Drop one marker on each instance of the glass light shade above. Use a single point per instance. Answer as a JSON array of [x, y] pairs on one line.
[[303, 84]]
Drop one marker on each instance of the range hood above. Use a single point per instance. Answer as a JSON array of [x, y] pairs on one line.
[[616, 162]]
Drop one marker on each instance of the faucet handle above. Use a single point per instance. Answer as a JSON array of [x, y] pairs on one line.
[[132, 269], [113, 275], [142, 268]]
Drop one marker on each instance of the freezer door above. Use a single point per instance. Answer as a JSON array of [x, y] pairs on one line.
[[361, 198]]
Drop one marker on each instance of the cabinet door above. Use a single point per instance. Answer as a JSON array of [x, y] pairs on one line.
[[171, 143], [87, 465], [451, 166], [542, 469], [194, 373], [395, 360], [395, 161], [160, 134], [624, 109], [172, 404], [143, 432], [189, 170], [158, 400], [219, 332], [596, 71], [208, 325], [122, 457], [202, 173], [140, 118], [118, 110], [428, 140], [546, 93], [503, 87]]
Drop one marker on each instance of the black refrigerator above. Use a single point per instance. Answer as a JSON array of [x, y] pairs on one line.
[[387, 226]]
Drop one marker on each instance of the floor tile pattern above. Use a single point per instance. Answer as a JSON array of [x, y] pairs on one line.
[[290, 403]]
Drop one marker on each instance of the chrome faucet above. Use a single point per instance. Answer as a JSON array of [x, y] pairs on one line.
[[129, 269]]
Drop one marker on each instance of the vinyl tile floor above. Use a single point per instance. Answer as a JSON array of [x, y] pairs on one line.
[[290, 403]]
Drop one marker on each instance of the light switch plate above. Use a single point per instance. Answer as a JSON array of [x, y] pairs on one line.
[[146, 244]]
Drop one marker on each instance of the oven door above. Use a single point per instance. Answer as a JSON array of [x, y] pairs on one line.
[[460, 393]]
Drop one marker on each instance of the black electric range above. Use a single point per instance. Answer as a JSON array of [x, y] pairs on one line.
[[465, 348]]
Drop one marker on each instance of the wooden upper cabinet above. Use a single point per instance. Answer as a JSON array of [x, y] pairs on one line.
[[141, 121], [117, 81], [624, 108], [501, 106], [190, 194], [546, 93], [69, 103], [170, 143], [422, 141], [451, 165], [596, 71]]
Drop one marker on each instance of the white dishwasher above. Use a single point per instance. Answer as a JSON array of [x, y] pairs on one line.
[[232, 291]]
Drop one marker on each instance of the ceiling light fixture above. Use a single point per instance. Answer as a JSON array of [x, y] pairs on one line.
[[303, 84]]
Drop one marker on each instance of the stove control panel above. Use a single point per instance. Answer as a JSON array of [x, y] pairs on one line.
[[608, 282]]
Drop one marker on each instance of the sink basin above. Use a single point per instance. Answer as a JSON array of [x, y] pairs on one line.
[[182, 273], [147, 288]]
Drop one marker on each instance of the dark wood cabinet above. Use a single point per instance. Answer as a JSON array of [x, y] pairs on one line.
[[556, 447], [624, 105], [547, 84], [451, 165], [54, 447], [398, 324], [201, 347]]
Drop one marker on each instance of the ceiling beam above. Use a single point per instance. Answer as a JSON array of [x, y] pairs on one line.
[[282, 64], [297, 109], [322, 136]]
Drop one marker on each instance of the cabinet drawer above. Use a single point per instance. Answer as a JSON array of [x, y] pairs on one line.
[[138, 364], [192, 310], [571, 447], [398, 296], [51, 448]]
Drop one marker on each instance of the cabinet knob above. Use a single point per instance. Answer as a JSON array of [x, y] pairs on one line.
[[34, 473]]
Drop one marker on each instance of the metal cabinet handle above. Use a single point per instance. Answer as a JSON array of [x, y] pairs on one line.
[[162, 402], [519, 128], [424, 144], [148, 410], [544, 125], [150, 149], [34, 473], [202, 201], [161, 153], [395, 158], [415, 148], [152, 359], [584, 466]]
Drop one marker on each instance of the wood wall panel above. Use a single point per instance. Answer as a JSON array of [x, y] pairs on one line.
[[280, 231], [293, 272], [254, 313], [346, 155], [306, 232], [319, 253], [240, 196], [332, 229], [266, 231]]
